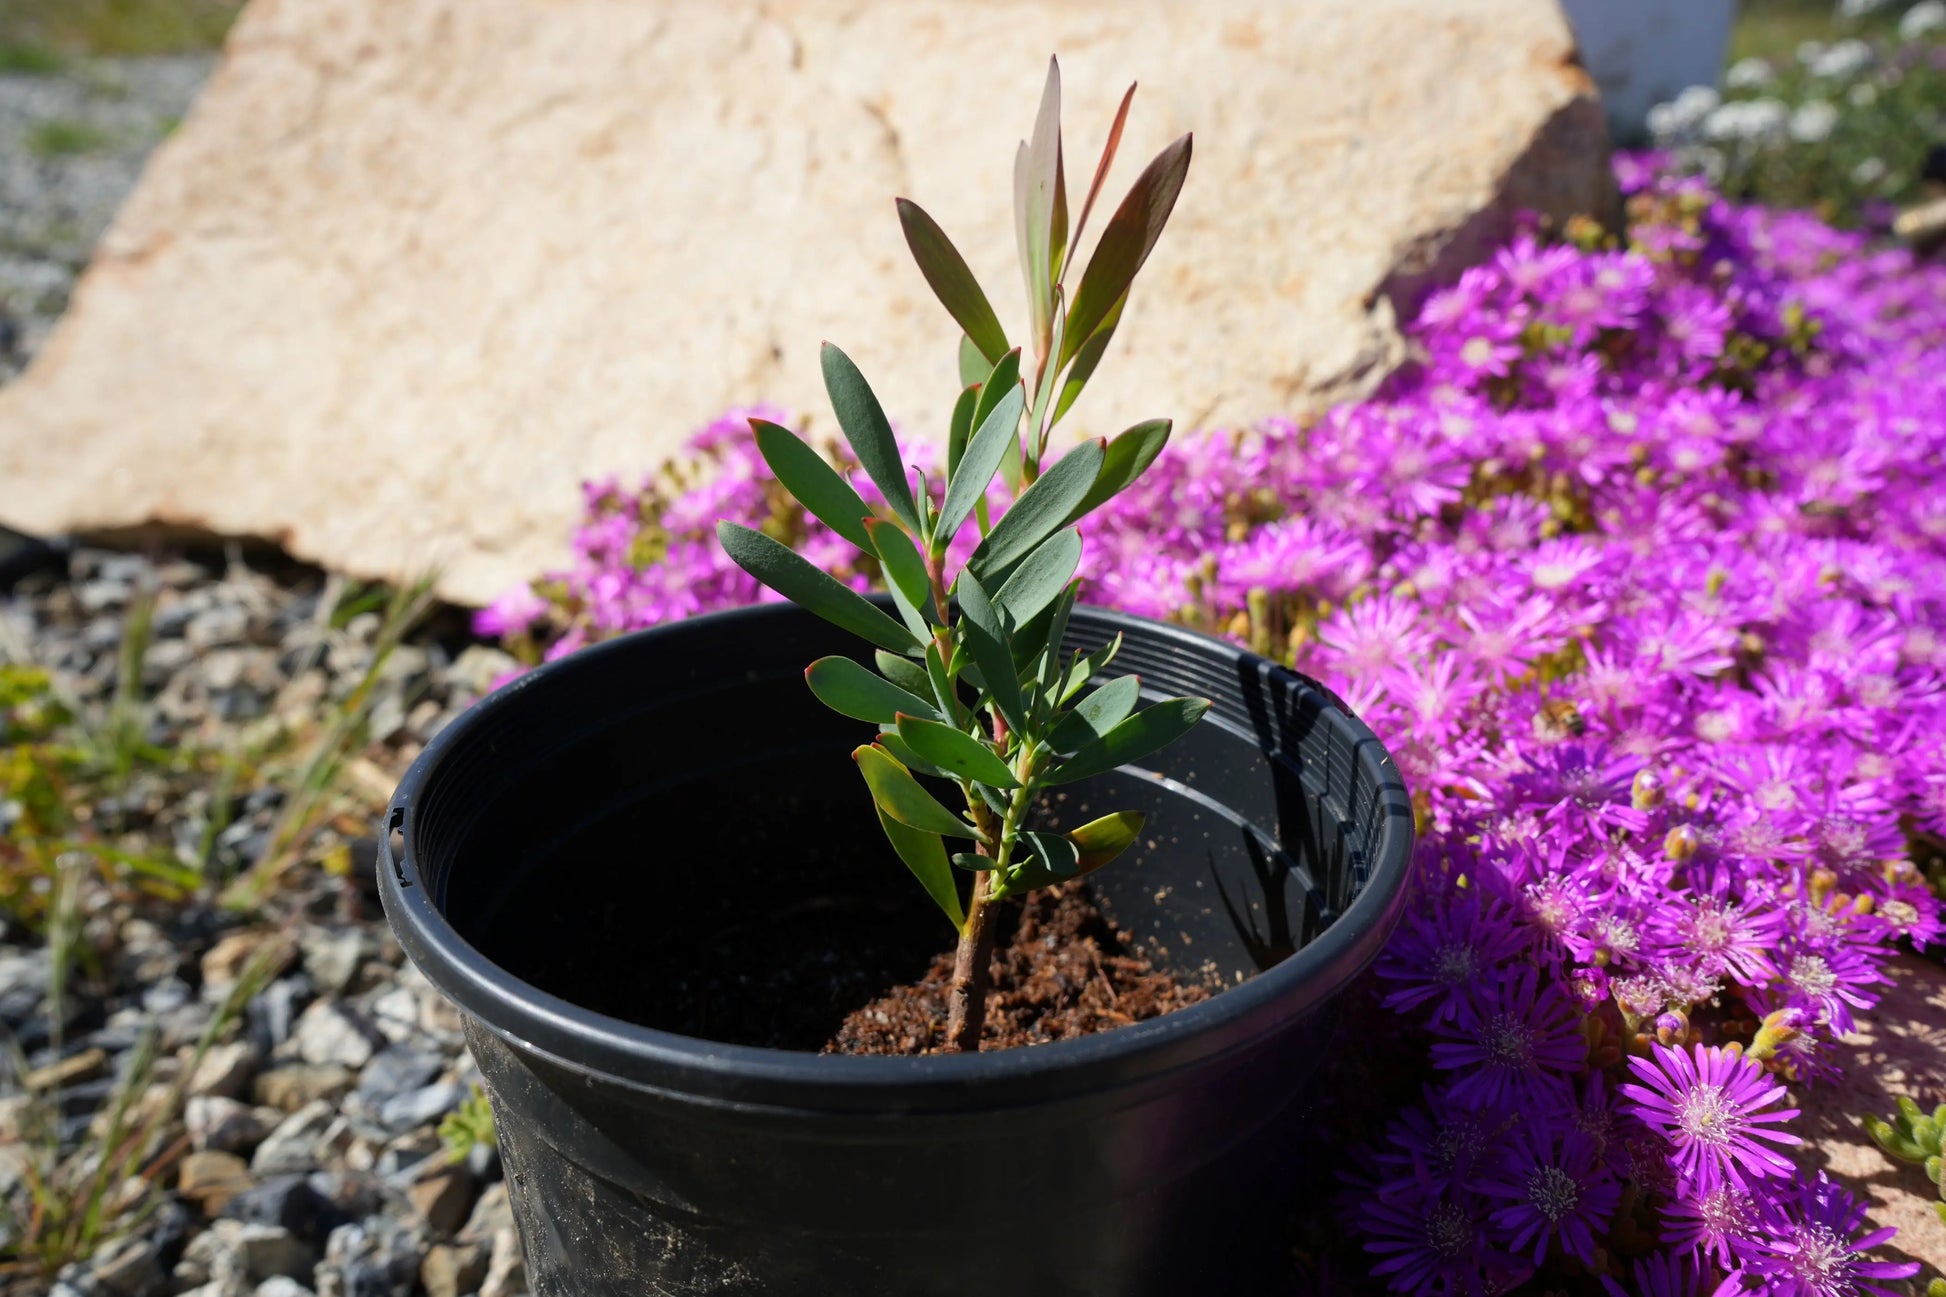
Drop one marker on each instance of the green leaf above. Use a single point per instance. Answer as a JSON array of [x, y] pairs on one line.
[[900, 796], [906, 757], [1037, 427], [986, 644], [1127, 457], [905, 575], [997, 430], [1035, 169], [1147, 731], [1126, 243], [1057, 630], [1086, 666], [925, 855], [961, 427], [811, 588], [870, 435], [942, 683], [956, 751], [1086, 357], [1049, 859], [995, 384], [1040, 577], [1041, 510], [972, 861], [972, 364], [850, 690], [952, 282], [814, 483], [1100, 841], [903, 672], [1094, 716]]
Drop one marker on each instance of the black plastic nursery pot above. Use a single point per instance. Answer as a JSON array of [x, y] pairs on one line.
[[625, 865]]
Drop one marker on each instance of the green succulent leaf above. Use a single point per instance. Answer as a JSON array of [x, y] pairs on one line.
[[1100, 841], [1086, 667], [955, 751], [850, 690], [870, 434], [1040, 577], [1041, 510], [972, 861], [1145, 732], [1087, 357], [815, 484], [890, 740], [1094, 716], [1128, 455], [1036, 170], [905, 575], [1126, 243], [942, 683], [812, 589], [1046, 859], [1037, 425], [900, 796], [961, 427], [952, 282], [998, 428], [986, 643], [1055, 852], [973, 364], [903, 672], [925, 855]]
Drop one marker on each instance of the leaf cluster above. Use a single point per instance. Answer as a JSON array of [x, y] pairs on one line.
[[969, 683], [1915, 1136]]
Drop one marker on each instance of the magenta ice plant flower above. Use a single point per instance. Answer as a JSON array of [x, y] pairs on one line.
[[1710, 1104]]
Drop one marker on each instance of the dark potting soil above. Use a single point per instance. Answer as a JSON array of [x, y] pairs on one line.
[[1059, 970], [781, 920]]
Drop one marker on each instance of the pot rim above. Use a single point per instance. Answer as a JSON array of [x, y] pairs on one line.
[[537, 1022]]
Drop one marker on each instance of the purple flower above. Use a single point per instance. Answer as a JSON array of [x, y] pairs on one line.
[[1440, 956], [1810, 1246], [1677, 1274], [1709, 1104], [1557, 1187], [1517, 1042], [1431, 1239]]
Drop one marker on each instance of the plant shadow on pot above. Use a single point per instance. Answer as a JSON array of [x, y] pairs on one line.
[[647, 918]]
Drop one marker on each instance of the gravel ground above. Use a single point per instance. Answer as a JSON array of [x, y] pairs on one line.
[[298, 1139], [71, 146]]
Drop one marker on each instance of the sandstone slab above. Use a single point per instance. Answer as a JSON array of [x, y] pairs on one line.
[[413, 268]]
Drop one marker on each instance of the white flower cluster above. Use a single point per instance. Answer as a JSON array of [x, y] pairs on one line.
[[1922, 20]]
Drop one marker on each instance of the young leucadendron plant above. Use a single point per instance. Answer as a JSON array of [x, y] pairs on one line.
[[979, 693]]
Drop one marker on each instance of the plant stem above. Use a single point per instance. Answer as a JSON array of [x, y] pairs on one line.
[[966, 1002]]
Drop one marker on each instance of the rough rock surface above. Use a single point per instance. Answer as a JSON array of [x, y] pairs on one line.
[[412, 269]]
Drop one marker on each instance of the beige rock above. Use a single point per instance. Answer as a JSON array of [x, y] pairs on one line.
[[414, 267], [452, 1269], [211, 1179], [1900, 1049], [443, 1199]]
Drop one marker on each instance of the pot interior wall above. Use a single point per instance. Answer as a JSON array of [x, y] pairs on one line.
[[702, 856]]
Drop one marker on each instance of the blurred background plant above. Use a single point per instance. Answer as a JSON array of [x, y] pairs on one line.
[[1831, 109]]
